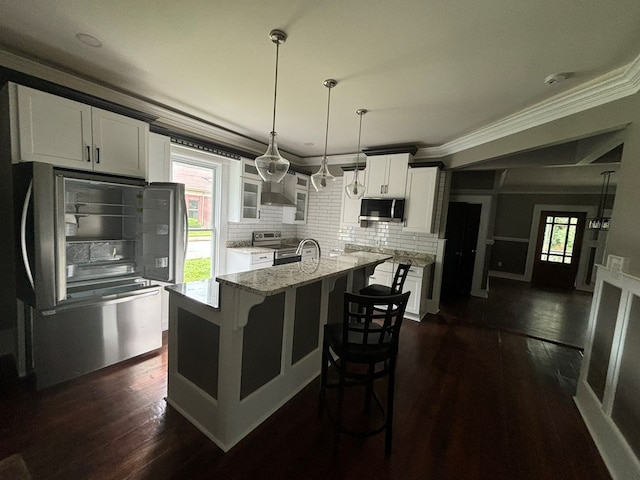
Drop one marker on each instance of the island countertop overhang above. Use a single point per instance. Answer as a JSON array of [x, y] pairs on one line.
[[273, 280]]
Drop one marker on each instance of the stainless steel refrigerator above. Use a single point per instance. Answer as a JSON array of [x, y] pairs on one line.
[[89, 248]]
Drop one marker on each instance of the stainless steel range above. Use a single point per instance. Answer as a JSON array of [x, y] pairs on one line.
[[284, 252]]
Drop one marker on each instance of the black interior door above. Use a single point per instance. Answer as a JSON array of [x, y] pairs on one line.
[[463, 223]]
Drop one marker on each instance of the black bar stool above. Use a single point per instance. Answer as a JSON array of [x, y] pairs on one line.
[[363, 349], [396, 287]]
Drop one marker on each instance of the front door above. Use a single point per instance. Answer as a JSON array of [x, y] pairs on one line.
[[558, 249]]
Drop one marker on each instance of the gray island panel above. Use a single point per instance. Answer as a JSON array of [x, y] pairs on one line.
[[262, 344]]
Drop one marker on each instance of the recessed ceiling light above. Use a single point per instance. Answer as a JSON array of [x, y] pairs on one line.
[[309, 144], [556, 78], [88, 40]]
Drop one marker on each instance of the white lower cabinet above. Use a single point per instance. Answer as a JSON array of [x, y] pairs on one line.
[[383, 274], [416, 283], [243, 261]]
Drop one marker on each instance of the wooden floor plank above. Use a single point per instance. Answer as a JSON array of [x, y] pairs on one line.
[[471, 403]]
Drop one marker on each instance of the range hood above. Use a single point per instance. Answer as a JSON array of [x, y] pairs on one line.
[[273, 194]]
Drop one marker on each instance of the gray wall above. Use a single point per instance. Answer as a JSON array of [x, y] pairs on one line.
[[624, 236]]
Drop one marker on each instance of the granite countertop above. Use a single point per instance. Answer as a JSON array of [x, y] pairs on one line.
[[250, 249], [398, 256], [279, 278], [206, 292]]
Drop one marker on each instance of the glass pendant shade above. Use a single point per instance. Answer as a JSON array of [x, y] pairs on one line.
[[322, 180], [271, 166], [355, 190]]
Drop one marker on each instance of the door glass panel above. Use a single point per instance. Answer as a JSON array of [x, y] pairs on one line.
[[559, 237], [199, 181]]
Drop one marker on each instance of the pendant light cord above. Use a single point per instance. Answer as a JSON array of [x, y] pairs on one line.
[[275, 89], [326, 135], [358, 150]]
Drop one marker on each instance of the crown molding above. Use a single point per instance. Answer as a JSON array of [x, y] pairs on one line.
[[614, 85], [166, 117]]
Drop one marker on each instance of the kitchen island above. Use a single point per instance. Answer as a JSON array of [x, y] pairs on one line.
[[241, 346]]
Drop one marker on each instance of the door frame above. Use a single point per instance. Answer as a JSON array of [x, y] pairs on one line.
[[485, 202], [538, 208]]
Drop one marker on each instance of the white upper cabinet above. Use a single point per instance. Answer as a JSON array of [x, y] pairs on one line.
[[119, 143], [53, 129], [296, 188], [387, 175], [351, 207], [249, 169], [251, 190], [67, 133], [158, 168], [421, 199], [244, 194]]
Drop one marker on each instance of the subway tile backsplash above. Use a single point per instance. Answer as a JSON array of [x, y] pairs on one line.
[[323, 224]]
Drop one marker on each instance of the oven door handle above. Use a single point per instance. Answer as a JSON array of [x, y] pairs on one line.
[[287, 255]]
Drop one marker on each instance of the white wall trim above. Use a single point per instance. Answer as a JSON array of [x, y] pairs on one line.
[[535, 224], [614, 85], [166, 116], [507, 275], [433, 302]]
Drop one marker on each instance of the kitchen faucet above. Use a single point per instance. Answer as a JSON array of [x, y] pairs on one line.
[[302, 243]]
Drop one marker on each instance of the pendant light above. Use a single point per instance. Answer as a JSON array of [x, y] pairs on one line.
[[601, 222], [355, 189], [322, 179], [271, 166]]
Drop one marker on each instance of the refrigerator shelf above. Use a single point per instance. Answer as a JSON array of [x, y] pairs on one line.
[[97, 239], [117, 215], [97, 204]]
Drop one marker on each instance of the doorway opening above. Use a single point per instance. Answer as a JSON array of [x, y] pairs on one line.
[[463, 223]]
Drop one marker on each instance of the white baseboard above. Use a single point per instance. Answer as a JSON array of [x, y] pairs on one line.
[[508, 276]]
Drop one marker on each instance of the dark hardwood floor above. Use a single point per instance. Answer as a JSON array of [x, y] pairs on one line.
[[518, 307], [471, 403]]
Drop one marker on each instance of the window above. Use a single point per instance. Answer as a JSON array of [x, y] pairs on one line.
[[559, 236], [194, 208], [199, 178]]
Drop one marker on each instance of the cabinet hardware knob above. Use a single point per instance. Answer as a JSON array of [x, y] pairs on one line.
[[88, 153], [97, 154]]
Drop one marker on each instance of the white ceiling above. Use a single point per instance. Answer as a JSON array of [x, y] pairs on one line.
[[428, 71]]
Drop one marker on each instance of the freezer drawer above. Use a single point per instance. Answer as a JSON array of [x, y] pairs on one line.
[[76, 341]]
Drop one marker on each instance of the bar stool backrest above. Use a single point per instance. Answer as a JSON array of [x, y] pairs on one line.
[[399, 278]]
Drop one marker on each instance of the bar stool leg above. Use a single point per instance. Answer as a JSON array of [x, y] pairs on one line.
[[389, 419]]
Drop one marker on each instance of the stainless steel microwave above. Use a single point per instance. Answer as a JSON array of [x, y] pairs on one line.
[[382, 209]]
